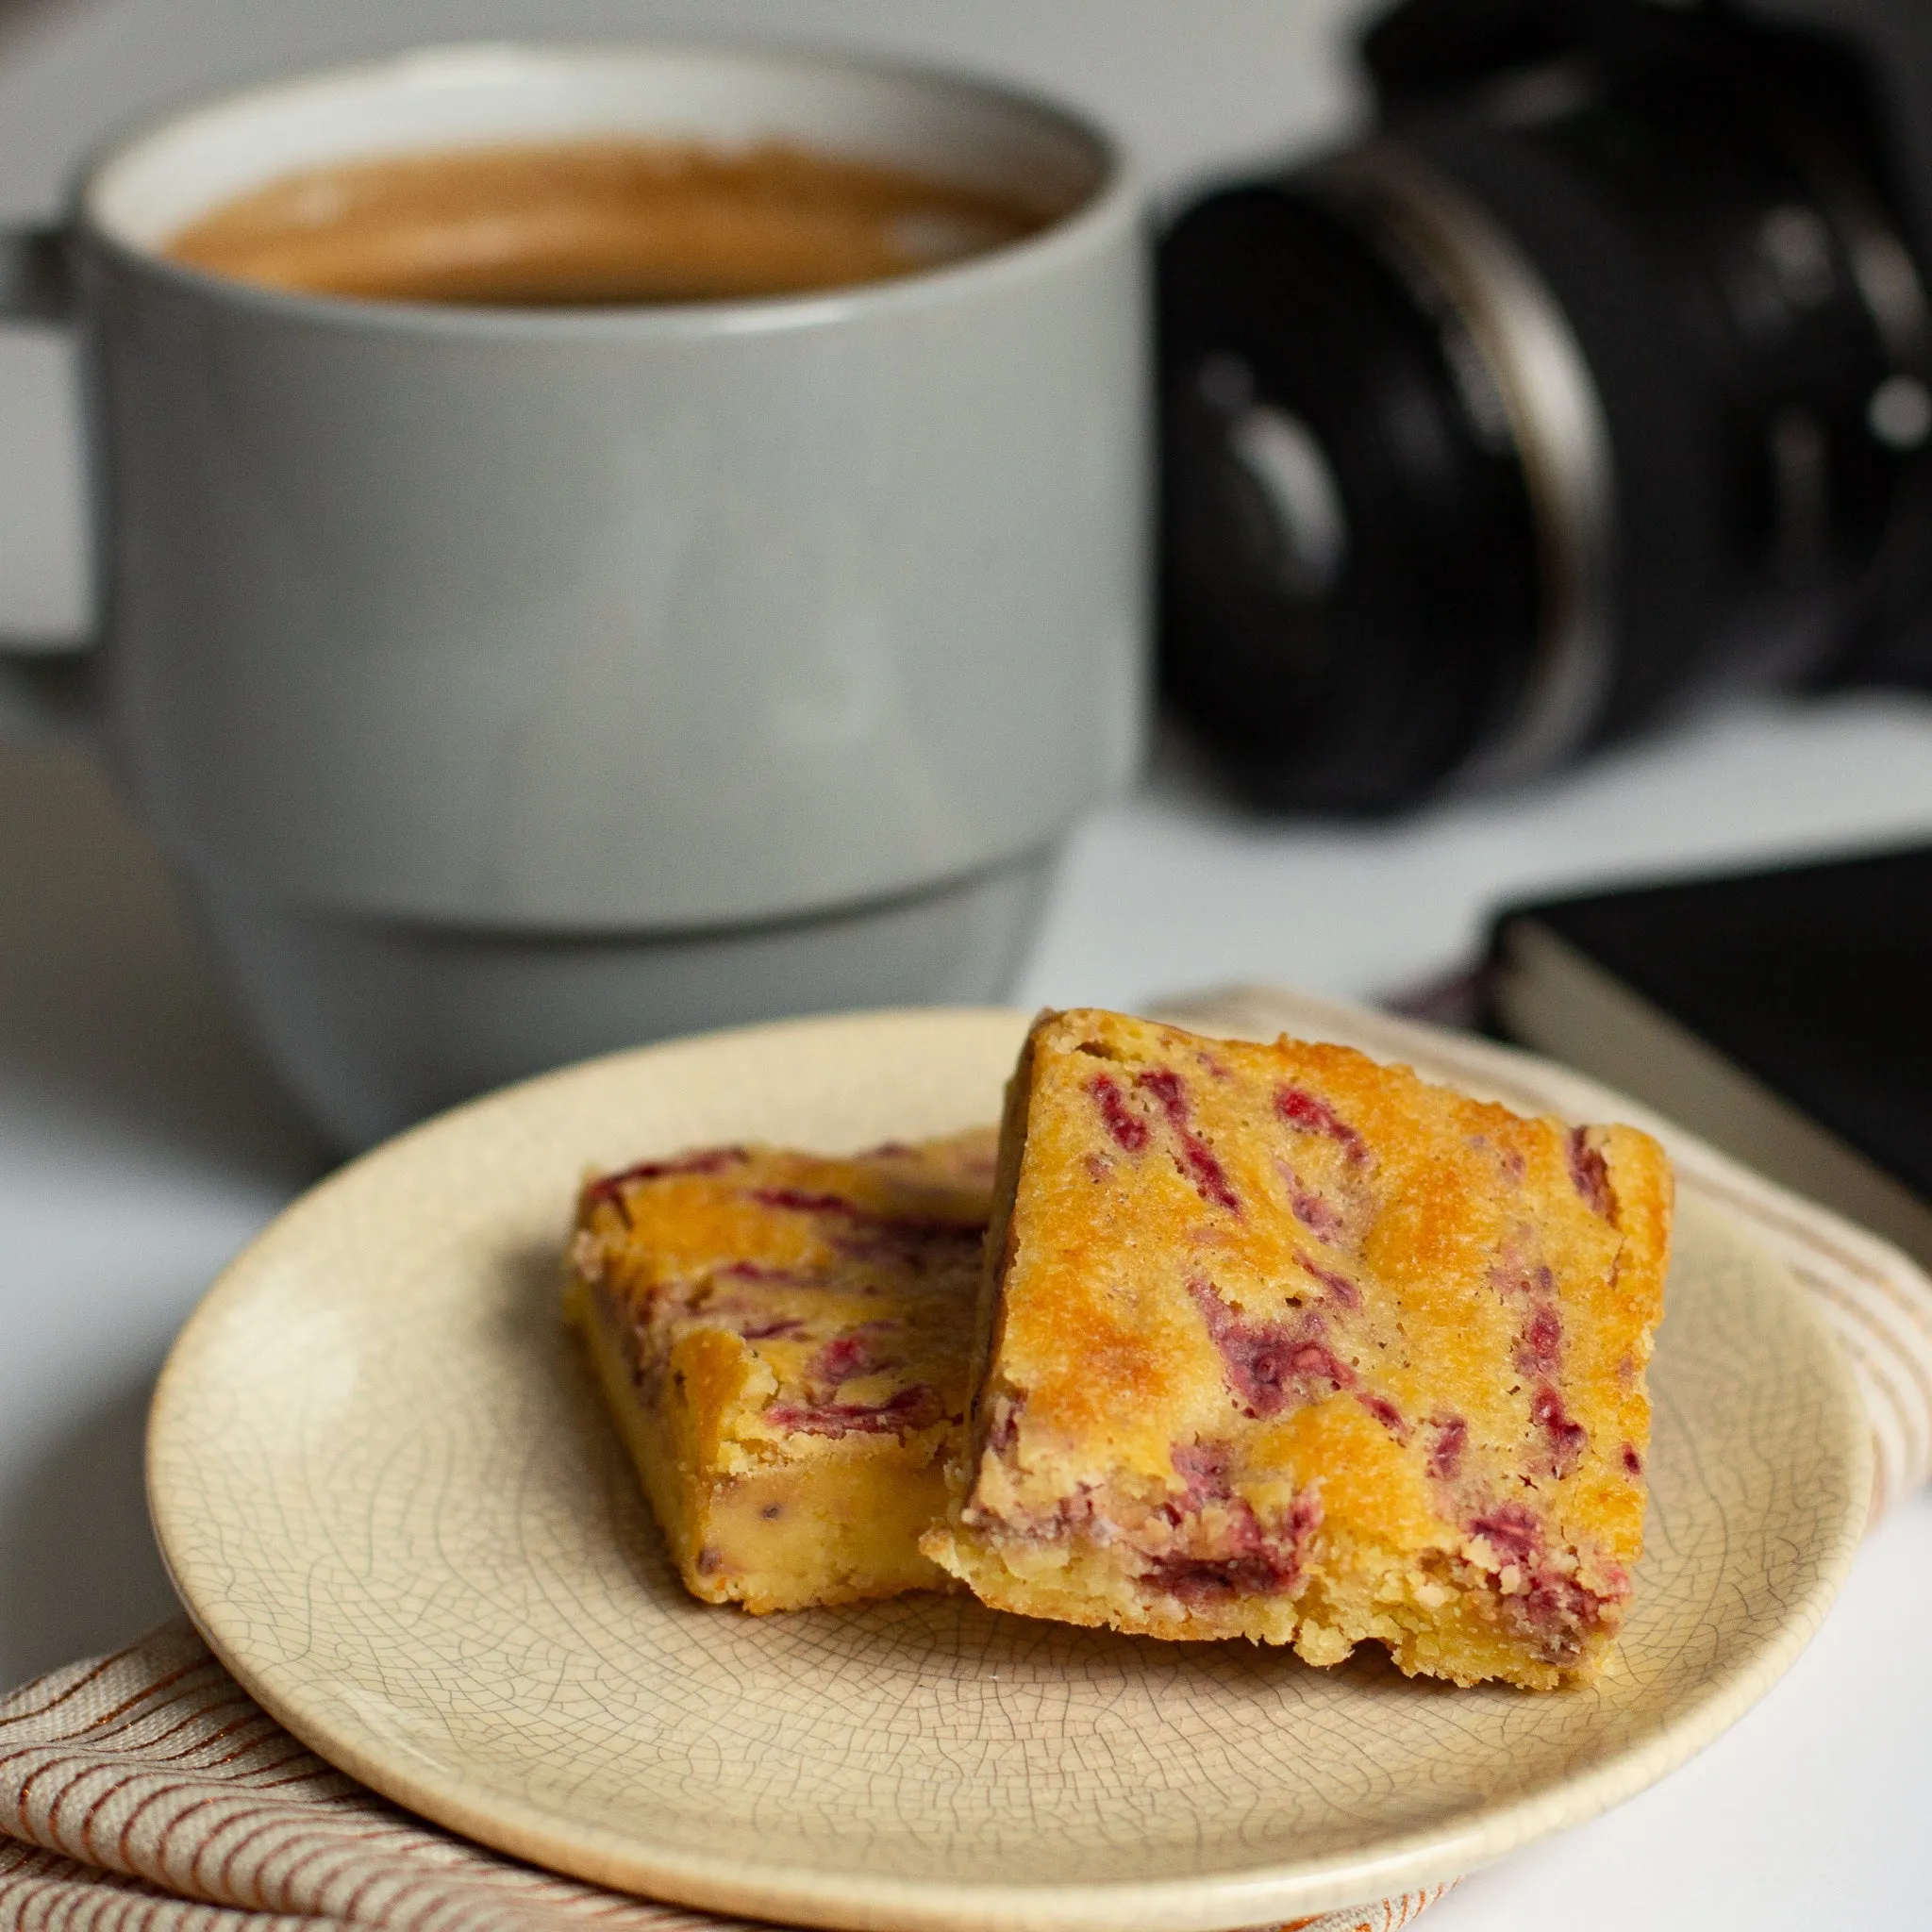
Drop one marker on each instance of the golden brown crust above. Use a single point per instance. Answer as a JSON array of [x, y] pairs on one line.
[[998, 1252], [1288, 1344]]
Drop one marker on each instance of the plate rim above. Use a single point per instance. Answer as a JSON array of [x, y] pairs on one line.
[[862, 1902]]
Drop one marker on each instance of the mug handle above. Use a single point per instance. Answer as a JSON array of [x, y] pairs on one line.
[[47, 684]]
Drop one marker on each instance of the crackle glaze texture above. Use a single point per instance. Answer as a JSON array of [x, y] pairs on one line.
[[385, 1486]]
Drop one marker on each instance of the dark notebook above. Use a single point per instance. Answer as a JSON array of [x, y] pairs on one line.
[[1785, 1015]]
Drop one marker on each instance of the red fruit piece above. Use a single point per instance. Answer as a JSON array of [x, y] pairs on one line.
[[1198, 1162], [1591, 1176], [1269, 1365], [1128, 1129], [1307, 1114]]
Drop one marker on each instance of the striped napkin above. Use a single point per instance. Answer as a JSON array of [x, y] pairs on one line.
[[145, 1791]]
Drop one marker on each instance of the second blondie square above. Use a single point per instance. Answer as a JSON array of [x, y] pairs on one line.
[[783, 1339]]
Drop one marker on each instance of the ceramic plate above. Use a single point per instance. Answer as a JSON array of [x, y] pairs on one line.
[[388, 1496]]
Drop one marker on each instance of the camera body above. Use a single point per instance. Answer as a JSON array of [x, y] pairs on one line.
[[1598, 378]]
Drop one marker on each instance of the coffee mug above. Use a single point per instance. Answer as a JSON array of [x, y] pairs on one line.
[[513, 684]]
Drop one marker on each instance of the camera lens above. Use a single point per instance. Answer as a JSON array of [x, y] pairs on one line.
[[1548, 409], [1349, 595]]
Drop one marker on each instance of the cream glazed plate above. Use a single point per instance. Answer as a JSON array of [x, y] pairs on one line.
[[388, 1495]]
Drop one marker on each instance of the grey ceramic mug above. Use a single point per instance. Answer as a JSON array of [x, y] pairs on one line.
[[511, 685]]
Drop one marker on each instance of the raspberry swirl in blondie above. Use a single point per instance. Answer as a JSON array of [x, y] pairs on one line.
[[1281, 1343]]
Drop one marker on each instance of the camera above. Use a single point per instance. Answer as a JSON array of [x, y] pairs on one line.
[[1597, 379]]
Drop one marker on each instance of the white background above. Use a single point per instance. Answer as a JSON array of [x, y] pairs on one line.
[[140, 1142]]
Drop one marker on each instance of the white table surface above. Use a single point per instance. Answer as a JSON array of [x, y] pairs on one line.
[[142, 1142]]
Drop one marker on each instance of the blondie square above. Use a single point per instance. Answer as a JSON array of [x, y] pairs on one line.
[[784, 1342], [1278, 1342]]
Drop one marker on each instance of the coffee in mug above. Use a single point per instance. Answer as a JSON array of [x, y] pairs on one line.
[[585, 223]]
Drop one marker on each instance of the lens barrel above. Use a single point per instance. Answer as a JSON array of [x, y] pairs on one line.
[[1345, 629]]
